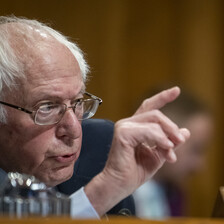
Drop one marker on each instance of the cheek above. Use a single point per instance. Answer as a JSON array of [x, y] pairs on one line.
[[38, 142], [30, 147], [34, 150], [31, 143]]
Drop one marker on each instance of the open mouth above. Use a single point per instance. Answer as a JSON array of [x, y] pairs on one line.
[[66, 158]]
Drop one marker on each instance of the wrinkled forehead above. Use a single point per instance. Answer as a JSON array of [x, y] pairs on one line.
[[51, 65]]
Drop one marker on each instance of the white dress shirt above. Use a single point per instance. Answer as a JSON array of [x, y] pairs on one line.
[[81, 206]]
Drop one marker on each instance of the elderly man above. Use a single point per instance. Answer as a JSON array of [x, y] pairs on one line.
[[43, 101]]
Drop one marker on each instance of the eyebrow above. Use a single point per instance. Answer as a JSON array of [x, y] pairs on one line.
[[46, 97]]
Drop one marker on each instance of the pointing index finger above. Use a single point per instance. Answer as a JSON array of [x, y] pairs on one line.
[[159, 100]]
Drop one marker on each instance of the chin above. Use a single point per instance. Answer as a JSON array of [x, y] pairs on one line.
[[58, 176]]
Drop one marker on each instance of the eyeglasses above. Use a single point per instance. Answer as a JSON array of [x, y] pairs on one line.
[[51, 113]]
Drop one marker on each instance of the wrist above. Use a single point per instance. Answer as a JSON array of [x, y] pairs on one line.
[[104, 191]]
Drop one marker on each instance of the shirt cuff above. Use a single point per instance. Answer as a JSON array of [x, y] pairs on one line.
[[81, 208]]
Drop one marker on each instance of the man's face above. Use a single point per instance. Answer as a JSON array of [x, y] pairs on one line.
[[47, 152]]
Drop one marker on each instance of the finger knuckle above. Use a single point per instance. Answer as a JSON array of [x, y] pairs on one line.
[[162, 138], [145, 103], [157, 114], [154, 127], [122, 125]]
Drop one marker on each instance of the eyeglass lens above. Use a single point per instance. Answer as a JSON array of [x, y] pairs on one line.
[[52, 113]]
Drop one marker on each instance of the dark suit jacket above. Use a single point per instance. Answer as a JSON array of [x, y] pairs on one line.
[[97, 137]]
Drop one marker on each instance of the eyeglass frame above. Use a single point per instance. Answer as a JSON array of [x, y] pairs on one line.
[[34, 111]]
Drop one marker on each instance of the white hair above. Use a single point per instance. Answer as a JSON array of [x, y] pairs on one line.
[[11, 67]]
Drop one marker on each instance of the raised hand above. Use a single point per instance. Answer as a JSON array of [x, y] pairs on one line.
[[141, 144]]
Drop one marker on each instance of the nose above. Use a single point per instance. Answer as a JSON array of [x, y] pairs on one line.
[[69, 126]]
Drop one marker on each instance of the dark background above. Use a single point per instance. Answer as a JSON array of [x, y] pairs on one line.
[[133, 46]]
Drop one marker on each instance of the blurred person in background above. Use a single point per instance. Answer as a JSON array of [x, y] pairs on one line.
[[164, 196]]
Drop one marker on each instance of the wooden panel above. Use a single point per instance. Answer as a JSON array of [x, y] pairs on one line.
[[133, 46], [112, 220]]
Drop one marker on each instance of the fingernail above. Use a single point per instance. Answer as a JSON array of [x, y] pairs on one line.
[[181, 137], [173, 156]]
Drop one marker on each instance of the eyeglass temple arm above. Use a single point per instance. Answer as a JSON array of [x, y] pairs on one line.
[[16, 107], [94, 97]]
